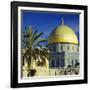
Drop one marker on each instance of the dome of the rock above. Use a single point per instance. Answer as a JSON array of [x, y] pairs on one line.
[[63, 34]]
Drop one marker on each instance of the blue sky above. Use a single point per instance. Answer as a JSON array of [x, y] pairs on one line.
[[47, 21]]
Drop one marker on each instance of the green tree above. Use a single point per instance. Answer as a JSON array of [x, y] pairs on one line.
[[33, 49]]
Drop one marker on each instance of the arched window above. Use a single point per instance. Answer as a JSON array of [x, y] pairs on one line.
[[76, 61], [54, 48], [53, 63], [68, 47], [57, 62], [61, 47], [72, 62], [73, 47], [62, 63]]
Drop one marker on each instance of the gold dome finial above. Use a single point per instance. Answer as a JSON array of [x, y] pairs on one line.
[[62, 21]]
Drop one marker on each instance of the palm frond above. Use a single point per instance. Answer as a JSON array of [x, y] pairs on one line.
[[34, 33], [36, 36], [38, 41]]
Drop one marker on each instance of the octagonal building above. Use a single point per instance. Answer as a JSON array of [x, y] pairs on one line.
[[64, 47]]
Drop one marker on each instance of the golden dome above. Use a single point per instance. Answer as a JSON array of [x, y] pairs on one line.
[[63, 34]]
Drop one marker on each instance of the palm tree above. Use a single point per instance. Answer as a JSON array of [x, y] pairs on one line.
[[34, 49]]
